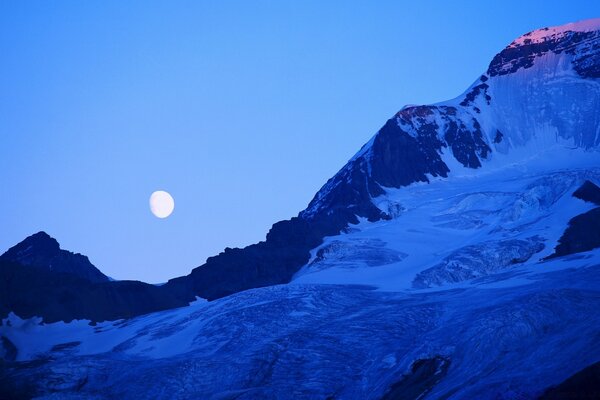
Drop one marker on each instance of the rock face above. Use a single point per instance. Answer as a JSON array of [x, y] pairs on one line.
[[56, 296], [43, 252], [580, 41], [38, 278], [585, 384], [588, 192], [407, 149], [583, 232], [423, 375]]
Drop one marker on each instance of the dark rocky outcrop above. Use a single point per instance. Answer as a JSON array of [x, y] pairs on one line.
[[57, 296], [271, 262], [41, 251], [583, 232], [583, 46], [475, 92], [8, 351], [585, 384], [424, 374], [407, 149], [498, 137], [588, 192]]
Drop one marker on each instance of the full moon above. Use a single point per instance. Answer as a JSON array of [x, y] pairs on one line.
[[161, 204]]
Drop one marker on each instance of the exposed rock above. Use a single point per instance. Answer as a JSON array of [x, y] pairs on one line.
[[585, 384], [582, 234], [42, 251], [583, 46], [30, 292], [8, 351], [588, 192], [424, 374]]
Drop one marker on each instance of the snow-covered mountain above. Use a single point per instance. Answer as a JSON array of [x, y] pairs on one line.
[[538, 93], [455, 256]]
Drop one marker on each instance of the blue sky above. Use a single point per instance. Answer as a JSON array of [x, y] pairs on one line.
[[241, 110]]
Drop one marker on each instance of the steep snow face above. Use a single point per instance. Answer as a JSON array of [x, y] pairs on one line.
[[540, 104]]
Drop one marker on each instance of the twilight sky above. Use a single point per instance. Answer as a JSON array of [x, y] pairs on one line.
[[241, 110]]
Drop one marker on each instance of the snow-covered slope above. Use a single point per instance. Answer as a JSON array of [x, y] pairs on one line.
[[444, 281]]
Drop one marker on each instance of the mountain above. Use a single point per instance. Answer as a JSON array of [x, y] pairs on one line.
[[539, 96], [42, 251], [455, 256], [38, 278]]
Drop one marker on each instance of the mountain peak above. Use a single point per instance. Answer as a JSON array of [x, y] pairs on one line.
[[549, 33], [572, 45], [32, 248], [536, 95], [41, 250]]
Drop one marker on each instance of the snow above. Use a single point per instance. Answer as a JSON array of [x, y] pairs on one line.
[[539, 106]]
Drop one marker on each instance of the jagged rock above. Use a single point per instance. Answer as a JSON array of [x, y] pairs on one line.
[[42, 251]]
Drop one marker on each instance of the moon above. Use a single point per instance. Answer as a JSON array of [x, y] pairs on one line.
[[161, 204]]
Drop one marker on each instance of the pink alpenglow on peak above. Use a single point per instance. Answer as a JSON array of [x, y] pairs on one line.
[[540, 35]]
